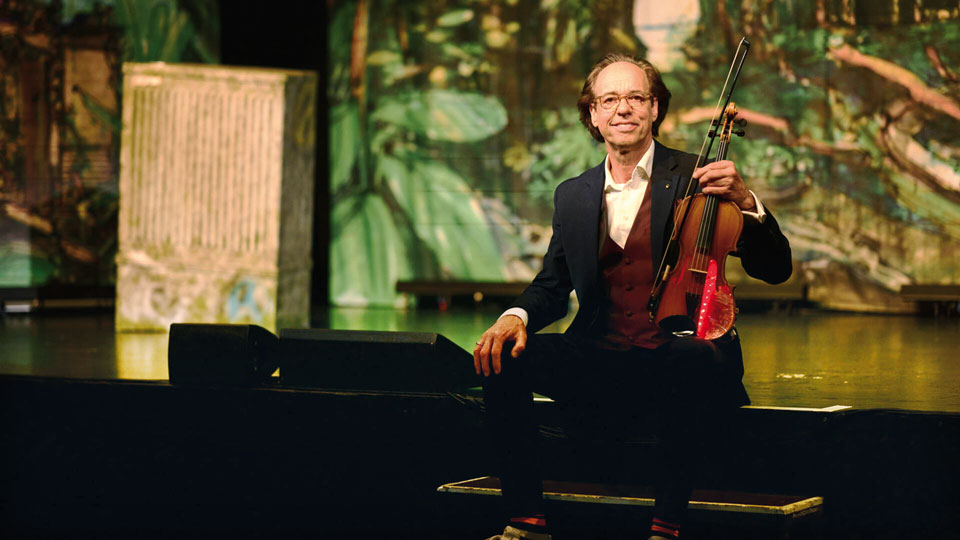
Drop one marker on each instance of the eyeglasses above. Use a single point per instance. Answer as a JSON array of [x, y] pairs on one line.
[[609, 102]]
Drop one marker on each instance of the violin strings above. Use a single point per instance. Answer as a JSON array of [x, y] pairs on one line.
[[701, 257]]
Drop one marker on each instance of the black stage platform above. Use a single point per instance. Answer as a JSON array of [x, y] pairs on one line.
[[117, 459], [106, 457]]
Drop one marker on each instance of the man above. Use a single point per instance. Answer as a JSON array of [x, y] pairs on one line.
[[610, 228]]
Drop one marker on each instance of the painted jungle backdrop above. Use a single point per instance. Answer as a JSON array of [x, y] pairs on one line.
[[452, 121]]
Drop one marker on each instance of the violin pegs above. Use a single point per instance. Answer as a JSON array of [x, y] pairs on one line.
[[742, 122], [713, 133], [739, 132]]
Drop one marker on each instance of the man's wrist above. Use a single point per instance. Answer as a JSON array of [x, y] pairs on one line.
[[516, 312], [758, 214]]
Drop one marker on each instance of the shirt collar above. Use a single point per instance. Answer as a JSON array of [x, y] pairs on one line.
[[642, 171]]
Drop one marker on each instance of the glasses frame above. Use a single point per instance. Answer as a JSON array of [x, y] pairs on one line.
[[620, 97]]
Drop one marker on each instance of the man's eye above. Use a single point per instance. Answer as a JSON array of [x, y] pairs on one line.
[[610, 100], [637, 99]]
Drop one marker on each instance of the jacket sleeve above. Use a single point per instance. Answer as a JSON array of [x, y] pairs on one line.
[[546, 299], [764, 251]]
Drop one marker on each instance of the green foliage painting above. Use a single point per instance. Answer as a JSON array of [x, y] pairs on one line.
[[453, 121], [401, 208]]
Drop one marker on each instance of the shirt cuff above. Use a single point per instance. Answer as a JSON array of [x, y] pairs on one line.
[[518, 311], [760, 215]]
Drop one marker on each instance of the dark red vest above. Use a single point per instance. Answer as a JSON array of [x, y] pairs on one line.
[[628, 278]]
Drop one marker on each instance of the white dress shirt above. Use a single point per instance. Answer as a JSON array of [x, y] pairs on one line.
[[621, 202]]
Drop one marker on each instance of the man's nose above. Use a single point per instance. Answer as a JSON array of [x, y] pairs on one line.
[[623, 107]]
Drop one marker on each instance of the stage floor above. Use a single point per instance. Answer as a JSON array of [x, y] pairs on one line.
[[806, 359]]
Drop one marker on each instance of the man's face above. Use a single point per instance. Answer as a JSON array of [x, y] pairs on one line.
[[625, 127]]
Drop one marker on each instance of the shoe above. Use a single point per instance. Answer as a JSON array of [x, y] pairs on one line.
[[513, 533]]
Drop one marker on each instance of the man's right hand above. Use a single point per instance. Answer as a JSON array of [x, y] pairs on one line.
[[486, 353]]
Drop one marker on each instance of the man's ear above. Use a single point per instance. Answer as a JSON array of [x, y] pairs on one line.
[[656, 109]]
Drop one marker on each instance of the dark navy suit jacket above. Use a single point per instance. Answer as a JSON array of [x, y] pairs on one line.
[[572, 262]]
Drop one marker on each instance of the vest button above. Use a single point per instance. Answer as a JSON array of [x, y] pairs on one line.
[[629, 287], [626, 260], [629, 314]]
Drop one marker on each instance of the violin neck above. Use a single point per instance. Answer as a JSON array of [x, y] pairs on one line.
[[723, 147], [708, 221]]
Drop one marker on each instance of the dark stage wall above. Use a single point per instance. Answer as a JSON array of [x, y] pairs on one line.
[[267, 35], [84, 457]]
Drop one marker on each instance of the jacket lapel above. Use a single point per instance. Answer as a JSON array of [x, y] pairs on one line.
[[665, 181], [590, 225]]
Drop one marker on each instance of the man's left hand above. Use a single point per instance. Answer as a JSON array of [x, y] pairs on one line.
[[721, 178]]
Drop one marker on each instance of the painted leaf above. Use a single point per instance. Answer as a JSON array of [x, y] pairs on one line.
[[444, 115], [455, 17], [108, 119], [344, 143], [156, 31], [367, 253], [447, 217], [381, 58]]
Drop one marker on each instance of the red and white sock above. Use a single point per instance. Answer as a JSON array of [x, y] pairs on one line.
[[536, 523], [663, 528]]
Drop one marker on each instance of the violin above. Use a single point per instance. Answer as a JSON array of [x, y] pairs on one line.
[[696, 298], [690, 294]]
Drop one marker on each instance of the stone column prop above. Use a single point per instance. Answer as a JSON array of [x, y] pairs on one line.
[[216, 196]]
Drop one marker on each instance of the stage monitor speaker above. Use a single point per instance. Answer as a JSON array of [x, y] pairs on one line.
[[228, 354], [364, 360]]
